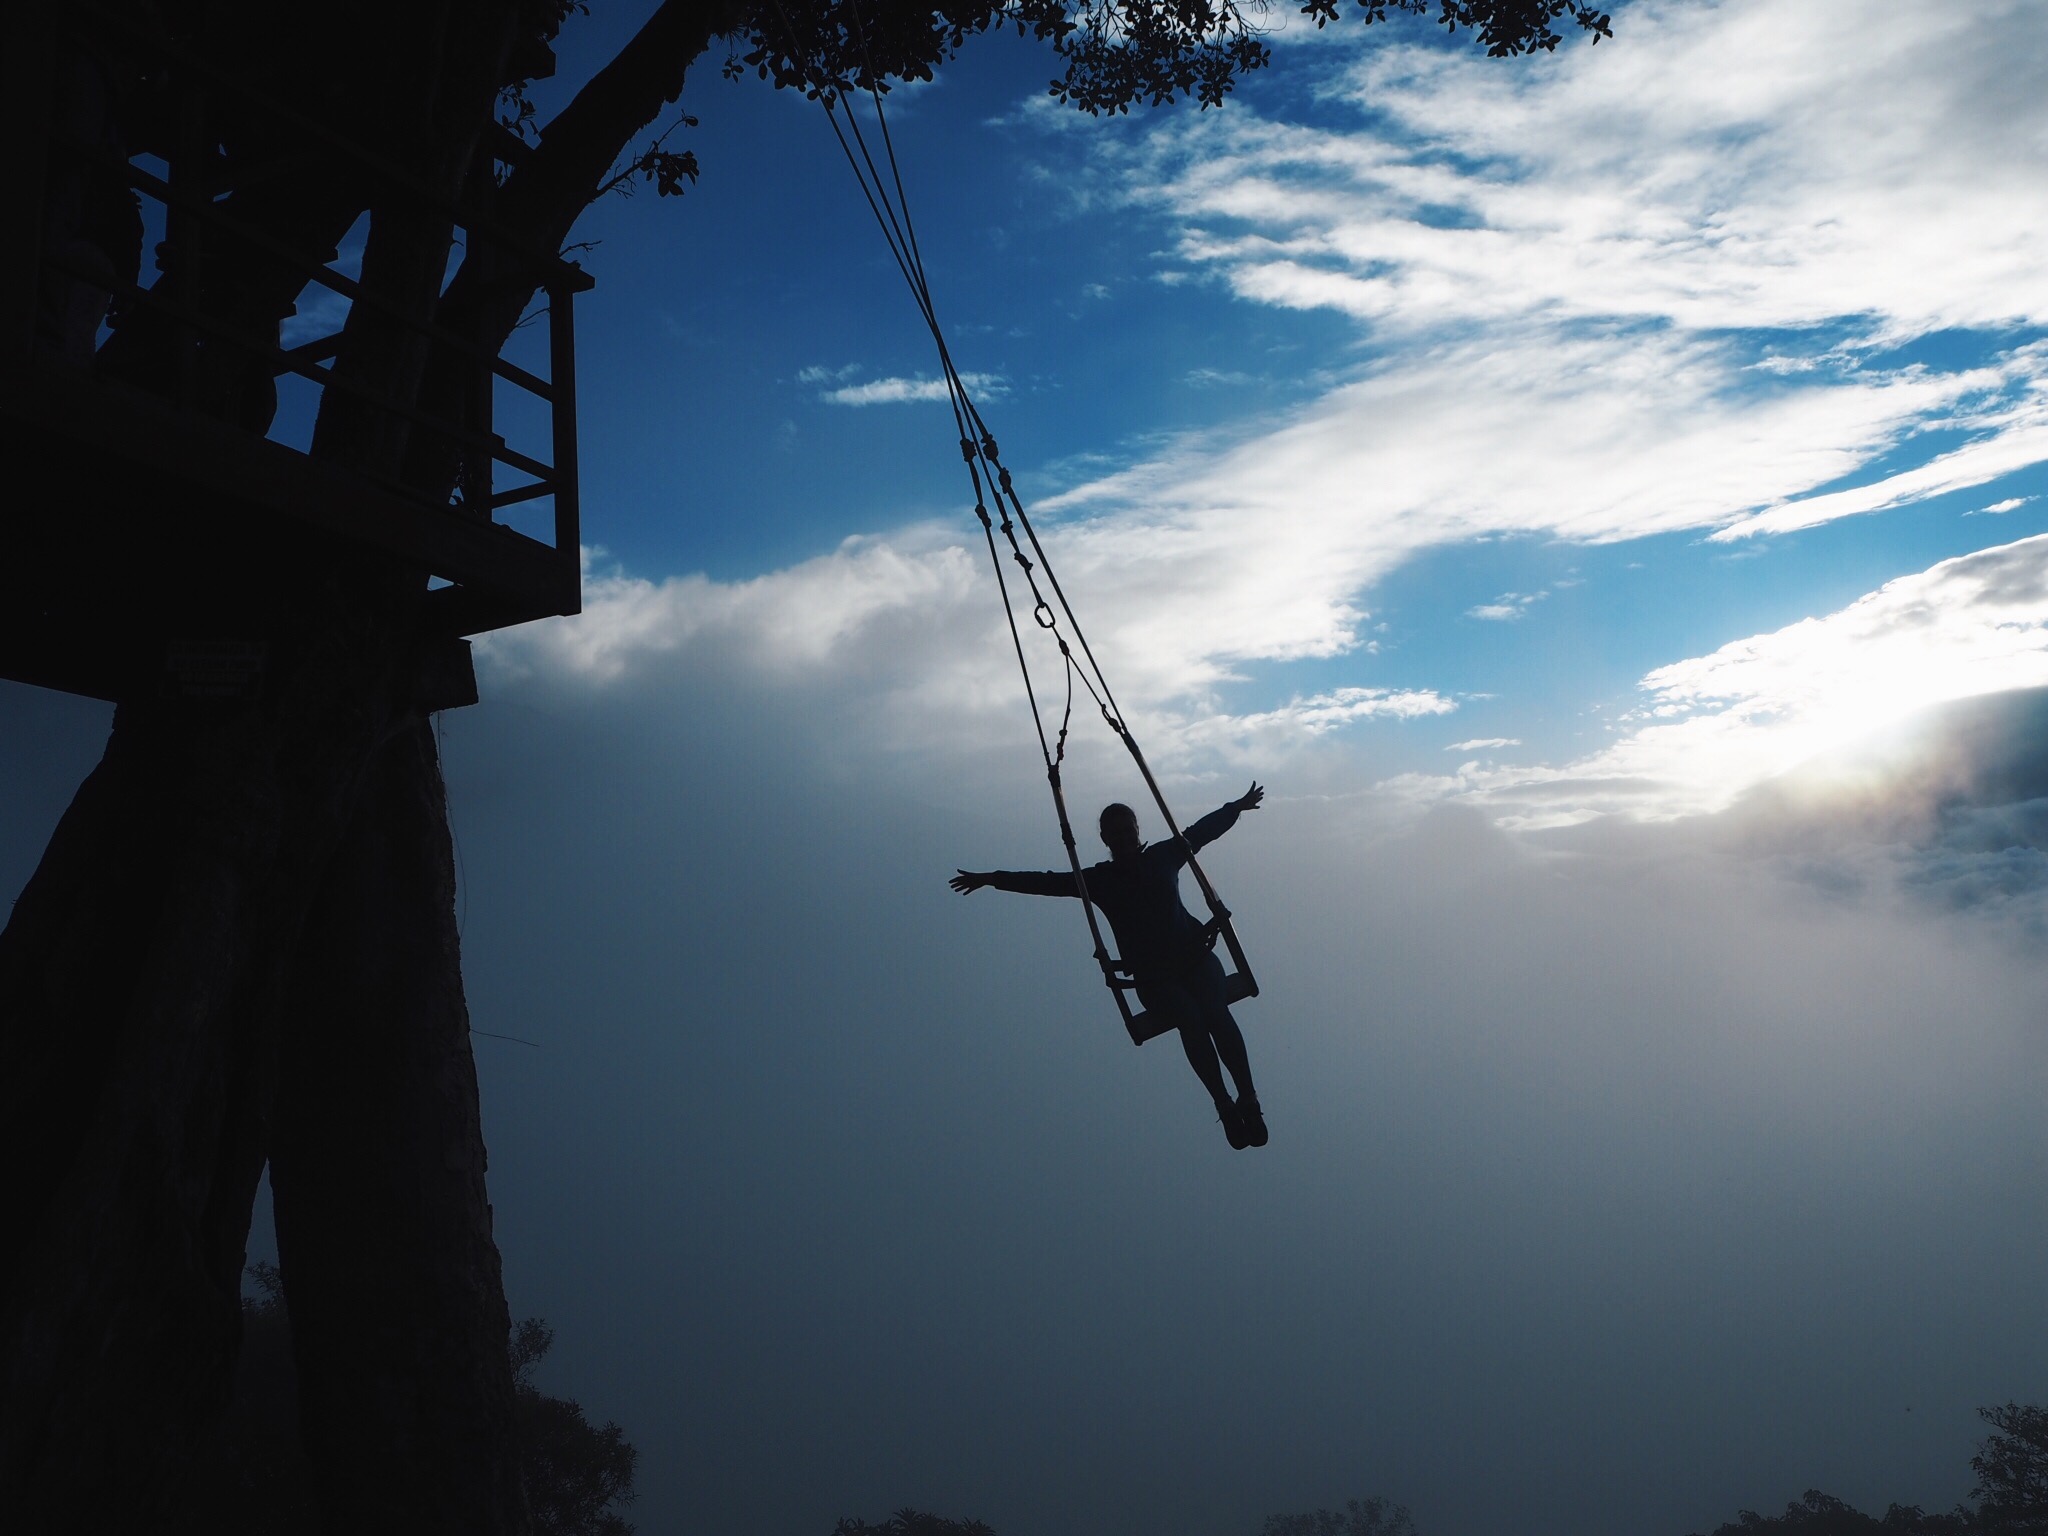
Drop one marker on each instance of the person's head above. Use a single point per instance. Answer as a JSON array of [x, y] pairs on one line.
[[1119, 828]]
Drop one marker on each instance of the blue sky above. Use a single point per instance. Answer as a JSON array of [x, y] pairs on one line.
[[1491, 388], [1602, 496]]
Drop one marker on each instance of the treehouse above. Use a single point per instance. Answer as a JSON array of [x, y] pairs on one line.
[[172, 496]]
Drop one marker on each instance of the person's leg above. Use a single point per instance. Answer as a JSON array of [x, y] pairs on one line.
[[1228, 1044], [1201, 1050], [1194, 1039], [1168, 1001], [1205, 989]]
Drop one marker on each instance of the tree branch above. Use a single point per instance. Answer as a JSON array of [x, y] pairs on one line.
[[548, 191]]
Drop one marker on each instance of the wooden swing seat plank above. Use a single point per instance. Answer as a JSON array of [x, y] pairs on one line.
[[1237, 986]]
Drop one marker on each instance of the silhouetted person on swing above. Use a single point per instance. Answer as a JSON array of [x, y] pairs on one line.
[[1169, 954]]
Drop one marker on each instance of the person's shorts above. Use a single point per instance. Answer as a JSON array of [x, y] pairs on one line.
[[1192, 995]]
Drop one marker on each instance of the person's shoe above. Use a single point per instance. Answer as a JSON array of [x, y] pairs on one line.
[[1233, 1125], [1251, 1120]]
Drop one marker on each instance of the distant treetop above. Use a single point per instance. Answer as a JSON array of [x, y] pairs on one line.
[[912, 1522]]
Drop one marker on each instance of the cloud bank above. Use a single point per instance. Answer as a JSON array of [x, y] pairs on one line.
[[1711, 729]]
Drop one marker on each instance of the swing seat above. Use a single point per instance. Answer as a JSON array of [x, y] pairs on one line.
[[1237, 985]]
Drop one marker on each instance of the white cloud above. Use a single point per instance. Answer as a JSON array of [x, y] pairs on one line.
[[897, 391], [902, 637], [1713, 727], [1316, 716], [1731, 164], [2020, 439], [2000, 508], [1273, 540], [818, 373], [1619, 291], [1506, 608], [828, 614]]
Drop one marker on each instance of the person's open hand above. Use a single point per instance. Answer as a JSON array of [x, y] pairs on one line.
[[966, 882], [1249, 800]]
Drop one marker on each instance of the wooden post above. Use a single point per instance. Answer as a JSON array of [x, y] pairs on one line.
[[183, 236], [562, 382], [480, 466], [25, 104]]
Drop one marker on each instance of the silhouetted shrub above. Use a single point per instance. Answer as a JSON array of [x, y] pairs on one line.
[[1359, 1517]]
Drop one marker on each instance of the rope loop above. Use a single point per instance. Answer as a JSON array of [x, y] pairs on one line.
[[967, 449], [988, 447], [981, 512], [1046, 618]]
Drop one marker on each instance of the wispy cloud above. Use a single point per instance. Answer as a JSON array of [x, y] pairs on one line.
[[899, 391], [1324, 712], [2019, 438], [1742, 165], [818, 373], [1610, 297], [1507, 607]]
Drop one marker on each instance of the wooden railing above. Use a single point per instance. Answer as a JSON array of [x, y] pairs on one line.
[[488, 574]]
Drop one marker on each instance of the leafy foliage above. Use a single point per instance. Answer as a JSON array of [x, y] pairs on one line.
[[1116, 53], [664, 168], [535, 57], [575, 1473], [1367, 1517], [260, 1482], [1818, 1514], [1504, 27], [912, 1522], [2012, 1490], [2012, 1470]]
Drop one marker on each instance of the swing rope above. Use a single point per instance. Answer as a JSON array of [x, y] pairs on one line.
[[991, 480]]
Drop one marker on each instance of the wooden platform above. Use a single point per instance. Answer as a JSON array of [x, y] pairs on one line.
[[133, 532]]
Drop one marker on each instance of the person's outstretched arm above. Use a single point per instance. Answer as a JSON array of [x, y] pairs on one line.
[[1025, 882], [1223, 818]]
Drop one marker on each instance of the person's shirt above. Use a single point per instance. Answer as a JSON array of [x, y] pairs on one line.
[[1139, 895]]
